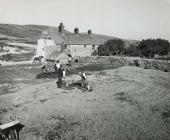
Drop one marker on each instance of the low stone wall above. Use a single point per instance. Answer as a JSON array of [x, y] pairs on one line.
[[118, 61]]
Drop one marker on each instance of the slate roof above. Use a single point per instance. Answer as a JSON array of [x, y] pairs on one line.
[[80, 39]]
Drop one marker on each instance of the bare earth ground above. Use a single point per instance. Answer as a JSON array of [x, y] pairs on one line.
[[126, 103]]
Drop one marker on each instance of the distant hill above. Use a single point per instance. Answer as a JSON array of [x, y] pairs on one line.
[[22, 32], [30, 34]]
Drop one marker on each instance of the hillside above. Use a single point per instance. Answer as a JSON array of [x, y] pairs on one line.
[[30, 34], [22, 32]]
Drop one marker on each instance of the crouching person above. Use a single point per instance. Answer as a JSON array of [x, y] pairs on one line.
[[84, 82]]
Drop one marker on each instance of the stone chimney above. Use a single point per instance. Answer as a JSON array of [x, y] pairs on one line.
[[76, 31], [89, 32], [61, 28]]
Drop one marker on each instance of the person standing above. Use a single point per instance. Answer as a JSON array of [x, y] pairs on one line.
[[69, 60], [61, 76], [57, 66]]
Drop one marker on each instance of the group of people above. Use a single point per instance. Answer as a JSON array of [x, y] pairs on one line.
[[61, 74]]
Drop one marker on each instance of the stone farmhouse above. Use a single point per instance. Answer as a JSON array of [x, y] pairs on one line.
[[75, 43]]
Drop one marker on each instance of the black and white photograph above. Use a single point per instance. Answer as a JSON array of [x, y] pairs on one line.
[[84, 69]]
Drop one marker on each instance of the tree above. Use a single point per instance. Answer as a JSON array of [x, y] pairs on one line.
[[132, 50], [101, 50], [111, 47], [150, 47], [163, 47]]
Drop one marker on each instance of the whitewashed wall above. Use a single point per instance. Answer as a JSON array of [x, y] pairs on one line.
[[81, 50]]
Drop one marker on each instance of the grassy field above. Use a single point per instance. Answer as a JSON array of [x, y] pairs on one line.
[[126, 103]]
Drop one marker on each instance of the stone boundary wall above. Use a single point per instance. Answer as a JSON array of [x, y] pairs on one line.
[[118, 61]]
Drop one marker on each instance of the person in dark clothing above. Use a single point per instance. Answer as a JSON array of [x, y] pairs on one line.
[[70, 60], [61, 76], [58, 65], [59, 82]]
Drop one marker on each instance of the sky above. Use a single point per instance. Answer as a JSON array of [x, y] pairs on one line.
[[128, 19]]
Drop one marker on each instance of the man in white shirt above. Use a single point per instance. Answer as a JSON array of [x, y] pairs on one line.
[[57, 66]]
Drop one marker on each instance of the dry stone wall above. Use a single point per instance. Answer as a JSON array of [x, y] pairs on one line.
[[118, 61]]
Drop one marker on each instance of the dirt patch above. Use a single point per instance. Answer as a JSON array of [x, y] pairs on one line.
[[154, 109], [75, 85], [166, 118], [43, 100], [21, 104], [102, 73], [56, 127], [47, 75], [3, 110], [166, 112], [124, 97]]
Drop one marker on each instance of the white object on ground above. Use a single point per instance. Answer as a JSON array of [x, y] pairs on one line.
[[8, 125]]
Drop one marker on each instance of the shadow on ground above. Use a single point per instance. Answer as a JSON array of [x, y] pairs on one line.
[[46, 75]]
